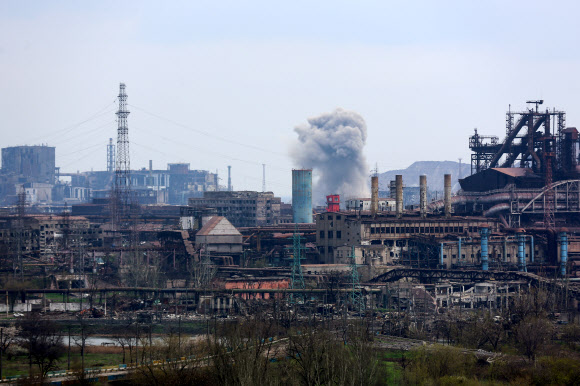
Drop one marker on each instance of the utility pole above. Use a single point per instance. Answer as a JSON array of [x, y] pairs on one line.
[[263, 178]]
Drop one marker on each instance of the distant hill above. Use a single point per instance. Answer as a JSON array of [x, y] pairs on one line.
[[434, 170]]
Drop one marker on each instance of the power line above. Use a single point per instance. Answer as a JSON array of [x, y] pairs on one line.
[[203, 132], [67, 129]]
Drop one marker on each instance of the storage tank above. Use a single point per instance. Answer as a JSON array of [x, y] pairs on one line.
[[302, 195]]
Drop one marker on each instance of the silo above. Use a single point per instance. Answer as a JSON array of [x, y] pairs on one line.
[[302, 195]]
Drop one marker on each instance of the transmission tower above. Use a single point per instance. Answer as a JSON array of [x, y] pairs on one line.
[[297, 276], [549, 199], [356, 296], [111, 156], [121, 197]]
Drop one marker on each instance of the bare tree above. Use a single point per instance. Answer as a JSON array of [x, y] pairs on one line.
[[43, 341], [531, 334]]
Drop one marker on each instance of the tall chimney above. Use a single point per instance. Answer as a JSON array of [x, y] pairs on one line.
[[229, 178], [374, 195], [150, 165], [447, 194], [423, 195], [399, 195]]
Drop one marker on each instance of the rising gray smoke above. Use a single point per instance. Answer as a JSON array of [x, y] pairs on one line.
[[332, 145]]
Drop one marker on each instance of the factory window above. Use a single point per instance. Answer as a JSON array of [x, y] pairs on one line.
[[526, 255], [338, 234], [321, 234], [446, 230], [472, 256], [463, 256], [444, 256], [392, 254], [431, 230], [329, 217], [421, 230], [509, 255], [460, 229], [372, 230], [338, 217], [329, 234], [453, 256], [329, 250], [499, 255], [397, 230]]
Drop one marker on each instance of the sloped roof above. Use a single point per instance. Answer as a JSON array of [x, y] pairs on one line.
[[218, 226], [516, 172]]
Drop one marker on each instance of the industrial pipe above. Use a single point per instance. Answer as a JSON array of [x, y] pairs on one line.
[[491, 212], [423, 195], [563, 252], [483, 231], [441, 255], [521, 251], [447, 194], [399, 195], [374, 195]]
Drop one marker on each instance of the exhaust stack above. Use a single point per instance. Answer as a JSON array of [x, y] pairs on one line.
[[447, 194], [423, 195], [399, 195], [374, 195]]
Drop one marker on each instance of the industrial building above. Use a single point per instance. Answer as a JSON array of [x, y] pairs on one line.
[[29, 169], [530, 177], [29, 163], [242, 208]]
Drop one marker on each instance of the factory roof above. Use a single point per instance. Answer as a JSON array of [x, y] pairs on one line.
[[218, 225]]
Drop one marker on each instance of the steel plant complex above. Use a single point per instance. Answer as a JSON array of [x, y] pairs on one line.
[[170, 244]]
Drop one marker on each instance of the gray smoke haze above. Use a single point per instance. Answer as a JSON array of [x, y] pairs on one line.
[[332, 145]]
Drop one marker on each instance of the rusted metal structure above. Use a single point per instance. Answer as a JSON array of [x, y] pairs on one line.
[[333, 203]]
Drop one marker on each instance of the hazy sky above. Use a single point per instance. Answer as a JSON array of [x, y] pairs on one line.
[[217, 83]]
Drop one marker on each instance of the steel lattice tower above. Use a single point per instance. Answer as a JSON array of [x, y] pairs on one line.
[[549, 197], [356, 296], [297, 276], [122, 186]]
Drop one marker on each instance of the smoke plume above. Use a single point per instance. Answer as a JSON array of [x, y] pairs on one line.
[[332, 145]]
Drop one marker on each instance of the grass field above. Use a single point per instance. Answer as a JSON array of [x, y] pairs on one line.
[[95, 356]]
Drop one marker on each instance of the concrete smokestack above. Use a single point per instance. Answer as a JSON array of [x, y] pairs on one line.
[[423, 195], [229, 178], [302, 196], [447, 194], [374, 195], [150, 165], [399, 195]]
